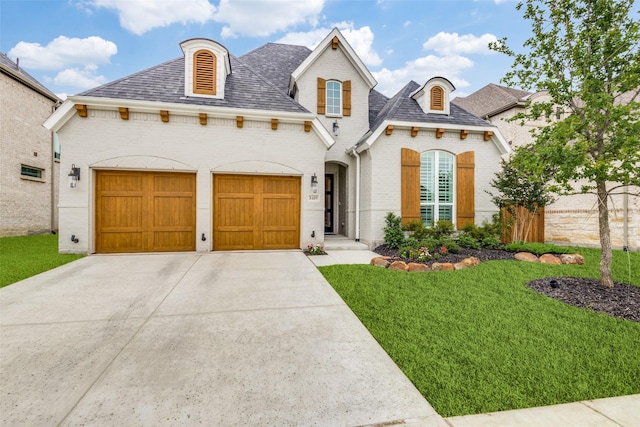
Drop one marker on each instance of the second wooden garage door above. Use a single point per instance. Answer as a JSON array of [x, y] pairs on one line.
[[256, 212], [145, 211]]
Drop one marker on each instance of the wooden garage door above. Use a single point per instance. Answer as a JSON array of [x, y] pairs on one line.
[[145, 211], [256, 212]]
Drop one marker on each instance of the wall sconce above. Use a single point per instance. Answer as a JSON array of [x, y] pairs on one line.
[[314, 183], [74, 176], [74, 239], [336, 128]]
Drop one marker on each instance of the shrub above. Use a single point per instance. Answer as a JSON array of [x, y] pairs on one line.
[[443, 228], [536, 248], [393, 235], [450, 245], [468, 241], [491, 242]]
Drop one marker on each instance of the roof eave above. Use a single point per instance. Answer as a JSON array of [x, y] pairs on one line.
[[41, 90]]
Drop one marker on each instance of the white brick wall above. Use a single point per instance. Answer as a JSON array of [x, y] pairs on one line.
[[144, 142], [25, 205], [382, 166]]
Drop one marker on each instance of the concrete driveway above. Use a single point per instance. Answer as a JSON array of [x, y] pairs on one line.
[[223, 339]]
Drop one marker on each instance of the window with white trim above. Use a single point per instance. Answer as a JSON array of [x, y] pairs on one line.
[[437, 190], [334, 98]]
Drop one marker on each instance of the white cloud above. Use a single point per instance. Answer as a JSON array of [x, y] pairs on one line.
[[452, 43], [140, 16], [265, 17], [361, 40], [63, 52], [81, 78], [421, 70]]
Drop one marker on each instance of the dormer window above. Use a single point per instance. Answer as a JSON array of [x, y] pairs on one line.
[[434, 96], [204, 73], [437, 98], [206, 67]]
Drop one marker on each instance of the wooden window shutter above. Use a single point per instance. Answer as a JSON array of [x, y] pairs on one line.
[[204, 73], [322, 95], [465, 189], [410, 186], [346, 98], [437, 98]]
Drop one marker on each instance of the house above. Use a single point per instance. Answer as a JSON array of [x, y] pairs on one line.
[[571, 219], [30, 160], [270, 150]]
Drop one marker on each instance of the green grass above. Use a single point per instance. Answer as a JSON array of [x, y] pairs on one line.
[[25, 256], [478, 340]]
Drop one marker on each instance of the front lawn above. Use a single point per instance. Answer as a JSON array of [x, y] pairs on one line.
[[25, 256], [478, 340]]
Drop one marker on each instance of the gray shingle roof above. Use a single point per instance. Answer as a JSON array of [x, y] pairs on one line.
[[276, 62], [491, 99], [165, 83], [11, 68], [404, 108]]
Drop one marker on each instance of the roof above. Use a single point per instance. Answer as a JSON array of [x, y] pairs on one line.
[[12, 69], [276, 62], [404, 108], [244, 89], [491, 100]]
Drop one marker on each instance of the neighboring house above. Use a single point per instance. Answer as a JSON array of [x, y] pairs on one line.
[[571, 219], [29, 162], [269, 150]]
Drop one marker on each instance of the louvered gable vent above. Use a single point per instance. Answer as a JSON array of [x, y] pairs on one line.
[[206, 69], [204, 73]]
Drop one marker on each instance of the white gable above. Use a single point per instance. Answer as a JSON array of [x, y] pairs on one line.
[[222, 66], [424, 95]]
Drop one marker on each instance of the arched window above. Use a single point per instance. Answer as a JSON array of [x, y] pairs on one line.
[[437, 98], [204, 72], [437, 187]]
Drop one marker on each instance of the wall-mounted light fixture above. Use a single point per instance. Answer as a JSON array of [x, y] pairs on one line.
[[314, 183], [74, 176], [336, 128], [74, 239]]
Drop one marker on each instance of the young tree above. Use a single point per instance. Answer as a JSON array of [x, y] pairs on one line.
[[584, 53], [522, 190]]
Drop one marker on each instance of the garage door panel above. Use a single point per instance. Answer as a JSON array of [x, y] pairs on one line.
[[145, 211], [256, 212]]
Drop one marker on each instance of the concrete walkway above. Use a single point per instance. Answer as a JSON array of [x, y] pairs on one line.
[[218, 339]]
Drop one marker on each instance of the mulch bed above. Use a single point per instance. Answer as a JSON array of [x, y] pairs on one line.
[[622, 301]]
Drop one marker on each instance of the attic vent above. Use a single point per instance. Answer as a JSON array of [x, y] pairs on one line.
[[437, 98], [204, 73]]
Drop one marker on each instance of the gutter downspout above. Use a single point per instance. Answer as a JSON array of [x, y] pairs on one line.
[[355, 153]]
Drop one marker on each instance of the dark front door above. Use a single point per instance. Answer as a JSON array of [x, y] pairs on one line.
[[328, 203]]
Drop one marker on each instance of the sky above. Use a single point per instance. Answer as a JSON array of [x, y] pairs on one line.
[[74, 45]]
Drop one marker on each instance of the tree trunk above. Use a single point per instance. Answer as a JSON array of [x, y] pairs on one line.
[[605, 236]]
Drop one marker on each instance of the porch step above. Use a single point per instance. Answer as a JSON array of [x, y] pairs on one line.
[[336, 243]]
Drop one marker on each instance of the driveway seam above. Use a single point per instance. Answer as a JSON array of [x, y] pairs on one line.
[[135, 334]]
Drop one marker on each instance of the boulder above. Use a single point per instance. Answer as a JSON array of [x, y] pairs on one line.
[[470, 262], [460, 266], [417, 267], [526, 256], [379, 262], [398, 266], [446, 266], [572, 259], [550, 259]]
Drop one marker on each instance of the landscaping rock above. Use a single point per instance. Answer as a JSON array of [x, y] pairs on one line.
[[460, 266], [470, 262], [446, 266], [550, 259], [379, 262], [416, 267], [398, 266], [572, 259], [526, 256]]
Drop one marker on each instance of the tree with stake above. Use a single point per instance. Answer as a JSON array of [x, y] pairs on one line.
[[585, 54]]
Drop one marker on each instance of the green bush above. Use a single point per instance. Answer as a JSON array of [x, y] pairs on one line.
[[451, 245], [491, 242], [468, 241], [443, 228], [536, 248], [393, 234]]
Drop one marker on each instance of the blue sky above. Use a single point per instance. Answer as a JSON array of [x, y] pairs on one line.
[[73, 45]]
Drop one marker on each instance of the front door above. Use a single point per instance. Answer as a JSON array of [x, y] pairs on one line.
[[328, 203]]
